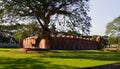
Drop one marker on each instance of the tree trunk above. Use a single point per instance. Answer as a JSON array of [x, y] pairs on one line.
[[20, 44], [45, 41]]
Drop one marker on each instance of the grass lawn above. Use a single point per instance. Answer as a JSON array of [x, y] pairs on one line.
[[57, 59]]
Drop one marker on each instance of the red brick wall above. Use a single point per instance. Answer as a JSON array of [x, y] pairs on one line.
[[62, 43], [68, 43]]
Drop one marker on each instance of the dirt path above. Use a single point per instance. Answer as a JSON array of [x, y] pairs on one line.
[[109, 66]]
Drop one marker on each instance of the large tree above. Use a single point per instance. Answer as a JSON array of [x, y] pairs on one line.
[[113, 27], [68, 14]]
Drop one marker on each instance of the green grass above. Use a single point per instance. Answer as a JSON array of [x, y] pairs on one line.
[[57, 59]]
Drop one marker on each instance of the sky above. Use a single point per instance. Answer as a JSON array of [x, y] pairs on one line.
[[102, 12]]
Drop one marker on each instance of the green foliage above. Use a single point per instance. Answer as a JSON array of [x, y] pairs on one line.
[[19, 35], [72, 33], [105, 40], [119, 41], [4, 39], [113, 40], [11, 27], [94, 37], [33, 28], [70, 14], [29, 30], [113, 28]]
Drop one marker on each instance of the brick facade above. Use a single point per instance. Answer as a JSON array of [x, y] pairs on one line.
[[64, 43]]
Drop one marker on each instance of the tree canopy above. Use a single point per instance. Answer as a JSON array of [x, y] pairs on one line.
[[63, 14], [113, 27]]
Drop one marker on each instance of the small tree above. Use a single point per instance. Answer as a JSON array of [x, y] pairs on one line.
[[27, 31], [19, 36], [105, 40], [113, 40]]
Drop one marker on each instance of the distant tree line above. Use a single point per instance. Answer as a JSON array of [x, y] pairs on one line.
[[114, 40], [17, 31]]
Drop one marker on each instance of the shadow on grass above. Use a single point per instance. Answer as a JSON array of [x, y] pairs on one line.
[[108, 66], [33, 63], [29, 63], [94, 55]]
